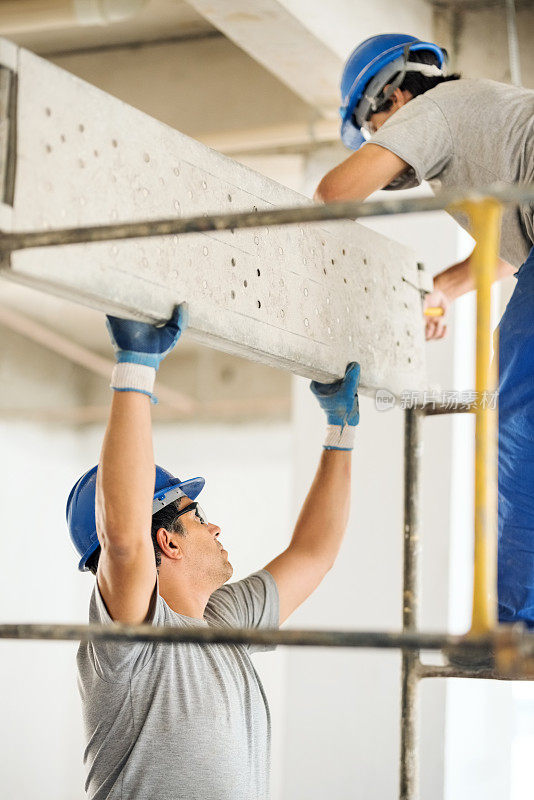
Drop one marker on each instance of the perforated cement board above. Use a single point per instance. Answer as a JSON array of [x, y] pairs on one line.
[[306, 298]]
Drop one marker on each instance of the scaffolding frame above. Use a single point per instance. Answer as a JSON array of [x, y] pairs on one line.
[[489, 651]]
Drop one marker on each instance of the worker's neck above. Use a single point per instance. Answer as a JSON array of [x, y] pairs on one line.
[[183, 593]]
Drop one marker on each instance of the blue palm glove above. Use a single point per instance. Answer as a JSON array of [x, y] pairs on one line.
[[340, 402], [142, 343], [140, 347]]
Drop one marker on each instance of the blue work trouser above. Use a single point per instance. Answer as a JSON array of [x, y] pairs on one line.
[[516, 452]]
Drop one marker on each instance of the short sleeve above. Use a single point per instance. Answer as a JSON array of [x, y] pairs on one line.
[[420, 135], [119, 660], [250, 603]]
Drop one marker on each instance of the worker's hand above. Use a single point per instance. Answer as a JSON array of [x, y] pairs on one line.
[[142, 343], [340, 399], [436, 327]]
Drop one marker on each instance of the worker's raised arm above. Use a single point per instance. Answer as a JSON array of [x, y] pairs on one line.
[[126, 472], [450, 284], [323, 519], [366, 171]]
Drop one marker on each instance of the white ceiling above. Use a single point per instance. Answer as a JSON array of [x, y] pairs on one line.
[[159, 19]]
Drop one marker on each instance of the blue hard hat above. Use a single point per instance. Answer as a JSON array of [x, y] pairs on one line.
[[371, 66], [81, 506]]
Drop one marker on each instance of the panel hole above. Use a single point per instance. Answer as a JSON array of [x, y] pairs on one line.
[[409, 361], [344, 280], [232, 294], [254, 208], [332, 261], [96, 153], [48, 148], [81, 128], [63, 138], [232, 262], [344, 252], [229, 198], [282, 314], [365, 289], [258, 273], [324, 270], [114, 143], [406, 305], [394, 288], [245, 284], [259, 304], [48, 112], [365, 261], [367, 316], [398, 344]]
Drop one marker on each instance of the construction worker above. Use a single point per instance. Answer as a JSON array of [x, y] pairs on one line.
[[186, 721], [417, 123]]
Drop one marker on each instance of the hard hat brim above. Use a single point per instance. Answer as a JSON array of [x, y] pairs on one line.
[[190, 488]]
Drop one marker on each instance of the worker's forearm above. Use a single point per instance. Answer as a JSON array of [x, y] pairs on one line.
[[125, 480], [458, 279], [323, 519], [368, 169]]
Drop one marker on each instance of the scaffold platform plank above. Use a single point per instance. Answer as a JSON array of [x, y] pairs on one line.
[[307, 298]]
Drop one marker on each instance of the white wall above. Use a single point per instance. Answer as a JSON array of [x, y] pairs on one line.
[[248, 472]]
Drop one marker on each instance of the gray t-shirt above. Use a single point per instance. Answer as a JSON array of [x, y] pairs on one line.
[[469, 133], [179, 722]]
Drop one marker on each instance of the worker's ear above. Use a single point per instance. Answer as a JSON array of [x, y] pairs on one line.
[[169, 544], [400, 98]]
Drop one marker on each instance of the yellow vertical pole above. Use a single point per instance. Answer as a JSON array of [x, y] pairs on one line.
[[485, 217]]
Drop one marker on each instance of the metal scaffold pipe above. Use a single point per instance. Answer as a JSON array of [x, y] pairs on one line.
[[257, 219], [409, 766], [382, 640], [485, 218]]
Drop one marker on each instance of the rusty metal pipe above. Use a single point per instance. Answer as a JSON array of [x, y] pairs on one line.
[[382, 640], [409, 762], [256, 219]]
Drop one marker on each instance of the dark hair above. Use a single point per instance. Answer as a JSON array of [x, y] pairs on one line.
[[164, 518], [417, 83]]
